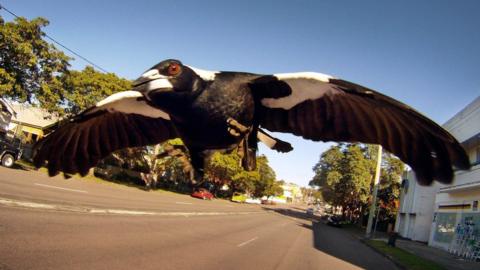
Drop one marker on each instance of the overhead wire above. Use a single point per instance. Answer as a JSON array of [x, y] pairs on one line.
[[59, 44]]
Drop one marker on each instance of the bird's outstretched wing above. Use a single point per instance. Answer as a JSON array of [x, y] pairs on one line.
[[121, 120], [322, 108]]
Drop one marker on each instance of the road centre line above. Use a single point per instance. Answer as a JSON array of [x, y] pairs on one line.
[[68, 189], [247, 242]]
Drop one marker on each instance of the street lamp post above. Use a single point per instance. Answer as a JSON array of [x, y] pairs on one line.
[[368, 232]]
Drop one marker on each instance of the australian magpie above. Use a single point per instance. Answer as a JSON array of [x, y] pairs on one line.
[[212, 111]]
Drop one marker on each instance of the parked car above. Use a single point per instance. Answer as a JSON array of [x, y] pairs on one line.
[[268, 202], [9, 152], [202, 194], [252, 200], [239, 197], [334, 221]]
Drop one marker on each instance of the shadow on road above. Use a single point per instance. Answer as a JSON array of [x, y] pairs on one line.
[[336, 242], [292, 212]]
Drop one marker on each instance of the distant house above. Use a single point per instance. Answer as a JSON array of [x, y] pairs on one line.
[[26, 123], [292, 192], [31, 123]]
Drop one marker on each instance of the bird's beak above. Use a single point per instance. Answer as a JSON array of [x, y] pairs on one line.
[[152, 80]]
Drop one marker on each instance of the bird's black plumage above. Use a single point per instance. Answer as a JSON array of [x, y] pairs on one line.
[[223, 110]]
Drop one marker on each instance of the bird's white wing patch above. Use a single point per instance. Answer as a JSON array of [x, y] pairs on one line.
[[130, 102], [268, 141], [119, 96], [304, 85], [304, 75], [206, 75]]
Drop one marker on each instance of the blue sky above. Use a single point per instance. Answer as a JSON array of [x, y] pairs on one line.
[[423, 53]]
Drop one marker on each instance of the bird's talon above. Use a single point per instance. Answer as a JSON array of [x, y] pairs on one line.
[[237, 126], [233, 132]]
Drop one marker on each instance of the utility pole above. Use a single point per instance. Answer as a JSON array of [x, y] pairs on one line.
[[368, 232]]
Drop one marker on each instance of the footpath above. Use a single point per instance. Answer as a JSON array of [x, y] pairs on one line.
[[422, 250]]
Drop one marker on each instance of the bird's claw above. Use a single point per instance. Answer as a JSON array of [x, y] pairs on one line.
[[235, 128], [233, 132]]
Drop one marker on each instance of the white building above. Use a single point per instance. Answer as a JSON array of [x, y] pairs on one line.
[[456, 222], [447, 216], [415, 213]]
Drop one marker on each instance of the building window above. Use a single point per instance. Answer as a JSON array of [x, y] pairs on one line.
[[445, 227]]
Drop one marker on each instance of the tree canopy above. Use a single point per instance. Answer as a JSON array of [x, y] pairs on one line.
[[30, 66], [83, 89], [226, 168], [35, 71], [345, 173]]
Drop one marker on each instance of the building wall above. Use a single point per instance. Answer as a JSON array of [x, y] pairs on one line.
[[456, 222], [416, 210], [466, 123], [448, 222]]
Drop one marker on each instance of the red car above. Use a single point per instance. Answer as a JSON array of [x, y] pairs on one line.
[[202, 194]]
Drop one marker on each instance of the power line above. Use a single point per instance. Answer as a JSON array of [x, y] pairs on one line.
[[59, 44]]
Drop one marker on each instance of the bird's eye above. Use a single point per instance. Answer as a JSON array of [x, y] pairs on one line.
[[174, 69]]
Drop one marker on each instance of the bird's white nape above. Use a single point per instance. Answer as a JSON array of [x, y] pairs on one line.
[[206, 75]]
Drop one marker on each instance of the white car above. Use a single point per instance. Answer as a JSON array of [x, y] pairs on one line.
[[252, 200]]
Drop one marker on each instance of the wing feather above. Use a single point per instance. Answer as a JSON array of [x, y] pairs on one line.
[[323, 108], [121, 120]]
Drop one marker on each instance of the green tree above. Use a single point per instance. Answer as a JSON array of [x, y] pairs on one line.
[[35, 71], [226, 168], [222, 167], [345, 173], [30, 67], [389, 188], [266, 184], [83, 89], [328, 173], [354, 186]]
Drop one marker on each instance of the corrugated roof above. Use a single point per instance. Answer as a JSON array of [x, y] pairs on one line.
[[34, 116]]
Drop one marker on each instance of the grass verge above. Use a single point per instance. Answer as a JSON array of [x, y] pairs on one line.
[[90, 177], [402, 257]]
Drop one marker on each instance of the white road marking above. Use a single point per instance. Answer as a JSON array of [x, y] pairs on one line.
[[25, 204], [83, 209], [120, 212], [247, 242], [183, 203], [69, 189]]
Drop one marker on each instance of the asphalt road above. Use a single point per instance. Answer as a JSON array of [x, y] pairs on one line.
[[51, 223]]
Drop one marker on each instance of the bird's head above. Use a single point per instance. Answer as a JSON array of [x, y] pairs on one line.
[[171, 76]]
